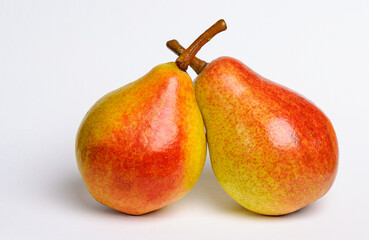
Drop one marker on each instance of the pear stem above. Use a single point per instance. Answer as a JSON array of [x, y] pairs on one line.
[[196, 64], [185, 58]]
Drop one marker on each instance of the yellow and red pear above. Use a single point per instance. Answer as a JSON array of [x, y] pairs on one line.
[[272, 150], [142, 146]]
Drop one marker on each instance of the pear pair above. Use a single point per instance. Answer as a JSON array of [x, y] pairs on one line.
[[143, 146]]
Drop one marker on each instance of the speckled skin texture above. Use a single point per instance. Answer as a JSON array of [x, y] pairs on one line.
[[142, 146], [272, 150]]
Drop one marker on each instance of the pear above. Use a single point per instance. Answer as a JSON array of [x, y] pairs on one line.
[[142, 147], [272, 150]]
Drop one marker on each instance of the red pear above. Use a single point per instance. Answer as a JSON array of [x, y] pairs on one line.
[[142, 146], [272, 150]]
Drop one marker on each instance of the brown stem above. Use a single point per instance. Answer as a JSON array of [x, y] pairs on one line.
[[185, 58], [196, 64]]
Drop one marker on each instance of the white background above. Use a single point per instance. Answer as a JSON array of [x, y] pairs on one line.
[[58, 57]]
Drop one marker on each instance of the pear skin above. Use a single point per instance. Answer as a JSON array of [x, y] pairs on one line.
[[271, 149], [142, 146]]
